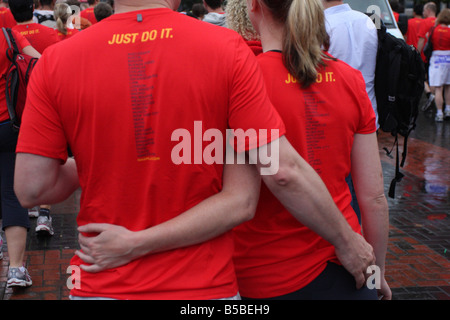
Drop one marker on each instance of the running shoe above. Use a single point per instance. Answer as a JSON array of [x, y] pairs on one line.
[[439, 117], [33, 212], [447, 114], [18, 277], [428, 102], [44, 225]]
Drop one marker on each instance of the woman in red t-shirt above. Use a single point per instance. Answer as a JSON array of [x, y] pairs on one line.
[[15, 218], [439, 71], [330, 122], [62, 12]]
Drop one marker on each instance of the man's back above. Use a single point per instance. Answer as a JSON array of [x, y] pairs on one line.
[[123, 119], [412, 35], [354, 40], [39, 36]]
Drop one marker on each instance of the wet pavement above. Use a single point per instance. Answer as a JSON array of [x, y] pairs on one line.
[[417, 266]]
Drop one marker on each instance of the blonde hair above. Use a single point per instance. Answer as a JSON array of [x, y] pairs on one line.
[[238, 20], [62, 12], [305, 36]]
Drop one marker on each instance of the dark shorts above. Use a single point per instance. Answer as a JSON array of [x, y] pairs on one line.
[[13, 213], [334, 283]]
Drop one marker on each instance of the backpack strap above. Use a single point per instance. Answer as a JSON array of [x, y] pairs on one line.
[[10, 39], [398, 175]]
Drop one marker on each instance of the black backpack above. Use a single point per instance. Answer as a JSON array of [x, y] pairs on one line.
[[399, 85], [43, 17]]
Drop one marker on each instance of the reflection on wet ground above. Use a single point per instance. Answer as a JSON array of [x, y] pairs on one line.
[[418, 265]]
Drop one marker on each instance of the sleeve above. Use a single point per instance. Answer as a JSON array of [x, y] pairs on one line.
[[41, 131], [423, 29], [21, 41], [250, 110], [367, 120]]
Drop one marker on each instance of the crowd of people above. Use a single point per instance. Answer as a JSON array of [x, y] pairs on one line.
[[150, 228], [427, 25]]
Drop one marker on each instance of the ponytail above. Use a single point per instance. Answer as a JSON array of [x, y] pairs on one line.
[[304, 39], [62, 12], [61, 26]]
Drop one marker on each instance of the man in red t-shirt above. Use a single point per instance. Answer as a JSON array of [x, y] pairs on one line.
[[151, 225], [88, 13], [39, 36], [412, 35], [429, 14], [6, 18]]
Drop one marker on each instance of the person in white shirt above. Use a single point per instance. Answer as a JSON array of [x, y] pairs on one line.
[[354, 40]]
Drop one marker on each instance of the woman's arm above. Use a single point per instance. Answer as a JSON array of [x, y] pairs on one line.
[[236, 203], [367, 175]]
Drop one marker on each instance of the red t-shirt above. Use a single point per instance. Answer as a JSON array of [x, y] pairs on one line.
[[6, 18], [425, 26], [4, 65], [255, 45], [275, 254], [88, 14], [70, 32], [441, 38], [39, 36], [119, 124], [412, 37]]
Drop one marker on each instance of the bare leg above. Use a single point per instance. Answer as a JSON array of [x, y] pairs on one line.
[[16, 238]]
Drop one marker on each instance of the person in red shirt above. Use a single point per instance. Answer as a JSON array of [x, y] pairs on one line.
[[237, 20], [62, 13], [15, 222], [88, 13], [154, 230], [39, 36], [429, 13], [331, 123], [439, 71], [412, 37], [6, 18]]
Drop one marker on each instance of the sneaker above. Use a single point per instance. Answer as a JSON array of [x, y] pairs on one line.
[[447, 114], [33, 212], [428, 102], [439, 117], [44, 225], [18, 277]]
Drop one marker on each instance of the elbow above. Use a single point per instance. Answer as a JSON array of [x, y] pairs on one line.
[[247, 207], [284, 177], [26, 192], [24, 198]]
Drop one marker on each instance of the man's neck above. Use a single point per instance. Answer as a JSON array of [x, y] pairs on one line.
[[26, 22], [217, 10], [126, 6], [329, 4]]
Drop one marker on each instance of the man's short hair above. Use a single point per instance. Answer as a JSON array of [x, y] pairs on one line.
[[22, 10], [214, 4], [418, 9], [431, 6], [46, 3], [102, 10]]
